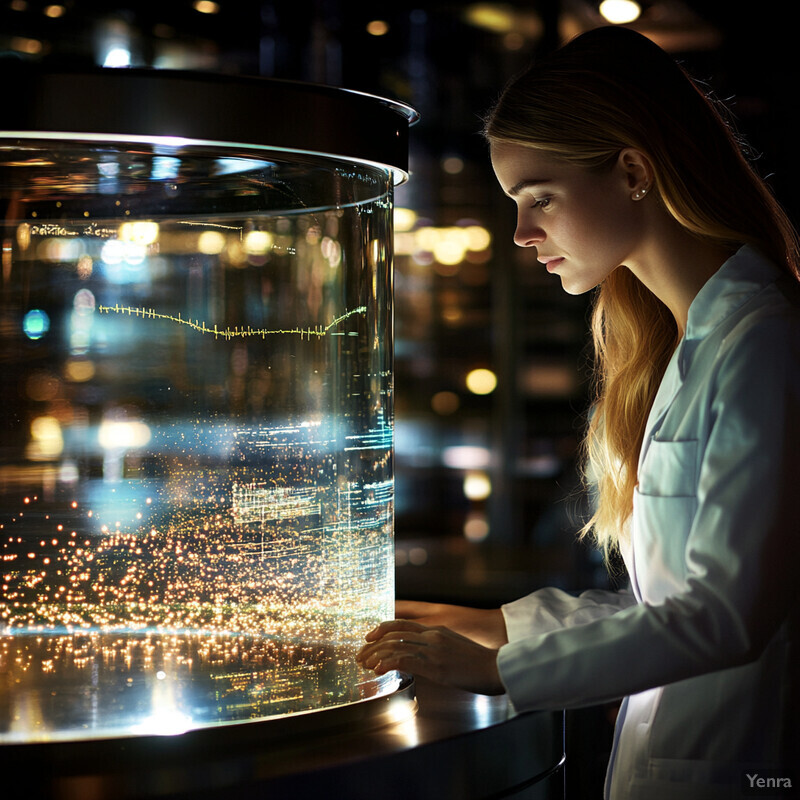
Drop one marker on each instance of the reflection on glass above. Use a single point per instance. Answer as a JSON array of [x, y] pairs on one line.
[[196, 467]]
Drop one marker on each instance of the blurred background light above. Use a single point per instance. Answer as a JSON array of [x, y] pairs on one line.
[[211, 242], [481, 381], [445, 402], [60, 249], [206, 7], [448, 245], [476, 526], [466, 457], [620, 12], [78, 370], [47, 441], [477, 485], [84, 302], [494, 17], [123, 434], [36, 323], [140, 232], [42, 386], [404, 219], [27, 45], [377, 27], [257, 242], [453, 165], [478, 238]]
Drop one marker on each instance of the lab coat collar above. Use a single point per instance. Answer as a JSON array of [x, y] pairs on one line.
[[742, 276], [739, 278]]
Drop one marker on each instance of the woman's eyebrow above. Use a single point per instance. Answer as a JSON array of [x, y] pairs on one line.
[[525, 184]]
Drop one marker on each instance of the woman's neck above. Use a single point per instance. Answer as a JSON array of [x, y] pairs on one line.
[[675, 264]]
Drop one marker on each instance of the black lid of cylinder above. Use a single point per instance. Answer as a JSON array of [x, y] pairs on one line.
[[208, 108]]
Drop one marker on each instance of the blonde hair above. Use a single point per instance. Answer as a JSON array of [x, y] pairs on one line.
[[606, 90]]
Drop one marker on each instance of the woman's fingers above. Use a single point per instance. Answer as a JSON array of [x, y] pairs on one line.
[[401, 644], [432, 652], [387, 637], [393, 625], [390, 652]]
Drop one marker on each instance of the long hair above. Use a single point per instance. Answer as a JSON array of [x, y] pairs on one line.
[[606, 90]]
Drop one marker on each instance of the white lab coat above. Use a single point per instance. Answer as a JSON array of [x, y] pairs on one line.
[[701, 646]]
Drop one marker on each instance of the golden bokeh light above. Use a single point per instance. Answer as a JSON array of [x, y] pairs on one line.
[[377, 27], [481, 381], [477, 485]]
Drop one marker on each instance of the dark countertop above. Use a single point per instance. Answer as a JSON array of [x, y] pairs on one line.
[[457, 745]]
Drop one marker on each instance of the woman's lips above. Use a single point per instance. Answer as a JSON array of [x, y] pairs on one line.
[[550, 262]]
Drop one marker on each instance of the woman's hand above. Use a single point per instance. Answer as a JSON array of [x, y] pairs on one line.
[[436, 653], [484, 626]]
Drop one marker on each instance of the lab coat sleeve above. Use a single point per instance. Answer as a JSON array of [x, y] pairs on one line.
[[549, 609], [738, 559]]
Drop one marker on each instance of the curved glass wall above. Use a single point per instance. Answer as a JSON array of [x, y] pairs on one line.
[[196, 467]]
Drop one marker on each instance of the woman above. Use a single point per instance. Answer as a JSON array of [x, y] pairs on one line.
[[626, 178]]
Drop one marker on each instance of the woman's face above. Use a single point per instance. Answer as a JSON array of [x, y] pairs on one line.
[[583, 224]]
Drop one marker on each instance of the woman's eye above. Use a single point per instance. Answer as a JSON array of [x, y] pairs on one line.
[[543, 203]]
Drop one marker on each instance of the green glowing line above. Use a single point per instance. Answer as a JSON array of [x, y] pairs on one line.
[[228, 333]]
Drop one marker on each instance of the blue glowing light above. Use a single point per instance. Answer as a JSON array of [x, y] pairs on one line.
[[35, 323]]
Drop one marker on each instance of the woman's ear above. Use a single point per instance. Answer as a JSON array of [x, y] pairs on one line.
[[637, 171]]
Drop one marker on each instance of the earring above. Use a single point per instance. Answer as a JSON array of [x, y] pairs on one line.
[[639, 193]]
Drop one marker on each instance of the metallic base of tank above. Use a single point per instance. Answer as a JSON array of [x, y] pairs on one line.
[[421, 741]]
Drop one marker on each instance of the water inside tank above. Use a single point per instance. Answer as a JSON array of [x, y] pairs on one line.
[[196, 479]]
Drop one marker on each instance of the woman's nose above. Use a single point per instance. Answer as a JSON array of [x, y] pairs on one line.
[[528, 234]]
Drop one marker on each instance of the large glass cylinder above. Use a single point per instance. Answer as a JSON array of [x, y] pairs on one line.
[[196, 341]]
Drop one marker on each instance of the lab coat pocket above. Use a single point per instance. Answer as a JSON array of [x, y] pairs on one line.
[[661, 527], [669, 469]]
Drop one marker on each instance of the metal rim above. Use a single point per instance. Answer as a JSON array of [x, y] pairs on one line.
[[373, 712]]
